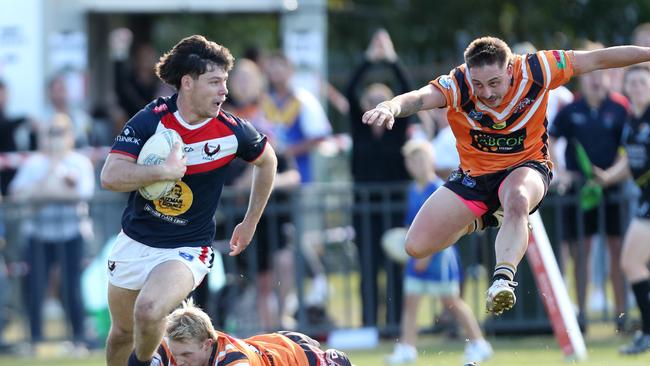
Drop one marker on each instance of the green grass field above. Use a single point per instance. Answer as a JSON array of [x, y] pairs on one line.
[[437, 351]]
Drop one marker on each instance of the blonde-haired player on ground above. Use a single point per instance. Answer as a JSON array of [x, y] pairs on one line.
[[191, 340]]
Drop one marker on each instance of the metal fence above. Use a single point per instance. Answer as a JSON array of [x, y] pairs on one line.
[[329, 229]]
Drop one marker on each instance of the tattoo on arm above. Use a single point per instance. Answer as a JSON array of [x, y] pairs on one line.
[[410, 103]]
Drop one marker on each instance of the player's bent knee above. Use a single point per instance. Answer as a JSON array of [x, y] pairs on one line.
[[119, 336], [517, 204], [416, 249], [148, 311]]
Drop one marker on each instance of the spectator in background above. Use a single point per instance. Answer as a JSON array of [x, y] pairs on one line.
[[59, 103], [274, 265], [16, 134], [57, 183], [636, 162], [299, 121], [376, 159], [444, 144], [595, 121], [438, 275], [134, 80]]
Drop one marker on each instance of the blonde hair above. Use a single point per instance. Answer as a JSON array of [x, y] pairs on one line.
[[189, 323], [417, 145]]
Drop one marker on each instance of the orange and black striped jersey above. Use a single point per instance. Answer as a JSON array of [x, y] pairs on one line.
[[493, 139], [262, 350]]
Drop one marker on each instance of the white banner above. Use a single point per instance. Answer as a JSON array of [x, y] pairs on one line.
[[21, 55]]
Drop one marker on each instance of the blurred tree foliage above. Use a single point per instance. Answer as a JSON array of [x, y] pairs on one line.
[[238, 32], [430, 36]]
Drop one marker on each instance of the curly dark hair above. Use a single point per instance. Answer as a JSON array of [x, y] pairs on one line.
[[487, 51], [193, 55]]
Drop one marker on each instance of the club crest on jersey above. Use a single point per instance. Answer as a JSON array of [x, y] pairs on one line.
[[445, 81], [209, 151], [473, 114]]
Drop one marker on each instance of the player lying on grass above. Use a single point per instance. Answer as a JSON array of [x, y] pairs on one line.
[[191, 340]]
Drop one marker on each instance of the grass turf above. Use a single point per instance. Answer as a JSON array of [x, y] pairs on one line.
[[602, 347]]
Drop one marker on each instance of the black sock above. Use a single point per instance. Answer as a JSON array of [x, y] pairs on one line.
[[642, 294], [133, 361], [504, 271]]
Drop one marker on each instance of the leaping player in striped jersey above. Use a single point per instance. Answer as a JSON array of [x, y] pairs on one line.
[[497, 111]]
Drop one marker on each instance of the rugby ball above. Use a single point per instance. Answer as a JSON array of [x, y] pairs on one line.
[[393, 243], [154, 152]]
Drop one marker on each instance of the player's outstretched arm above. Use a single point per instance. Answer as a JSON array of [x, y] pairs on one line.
[[263, 177], [121, 173], [427, 97], [607, 58]]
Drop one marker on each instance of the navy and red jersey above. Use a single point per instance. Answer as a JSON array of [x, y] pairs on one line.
[[185, 216], [598, 130]]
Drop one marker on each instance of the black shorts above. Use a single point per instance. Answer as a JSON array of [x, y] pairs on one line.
[[485, 188], [590, 219]]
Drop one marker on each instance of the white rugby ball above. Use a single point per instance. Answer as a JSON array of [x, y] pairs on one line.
[[393, 243], [154, 152]]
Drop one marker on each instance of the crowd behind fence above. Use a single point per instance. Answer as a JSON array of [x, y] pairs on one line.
[[319, 228]]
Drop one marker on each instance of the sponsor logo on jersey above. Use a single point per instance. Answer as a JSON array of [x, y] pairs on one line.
[[128, 136], [168, 218], [496, 143], [445, 81], [188, 149], [177, 201], [455, 175], [475, 115], [160, 108], [468, 181], [187, 256], [522, 105]]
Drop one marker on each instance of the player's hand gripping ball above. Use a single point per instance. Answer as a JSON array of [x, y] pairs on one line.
[[155, 152]]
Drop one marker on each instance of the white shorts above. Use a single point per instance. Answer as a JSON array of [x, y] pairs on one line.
[[130, 262]]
